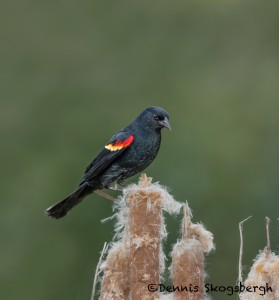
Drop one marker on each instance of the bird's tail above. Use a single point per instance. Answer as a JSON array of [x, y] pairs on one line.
[[61, 208]]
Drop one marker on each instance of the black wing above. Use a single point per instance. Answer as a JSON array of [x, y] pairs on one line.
[[117, 145]]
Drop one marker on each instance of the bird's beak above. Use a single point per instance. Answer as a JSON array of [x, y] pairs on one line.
[[165, 123]]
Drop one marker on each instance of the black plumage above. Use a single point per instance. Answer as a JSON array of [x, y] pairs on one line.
[[127, 153]]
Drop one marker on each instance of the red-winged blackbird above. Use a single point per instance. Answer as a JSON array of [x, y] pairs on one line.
[[127, 153]]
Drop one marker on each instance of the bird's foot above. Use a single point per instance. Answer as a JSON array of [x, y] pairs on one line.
[[114, 188]]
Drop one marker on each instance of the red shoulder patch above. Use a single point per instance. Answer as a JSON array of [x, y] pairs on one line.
[[118, 145]]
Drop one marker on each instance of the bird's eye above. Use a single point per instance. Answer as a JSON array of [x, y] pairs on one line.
[[158, 118]]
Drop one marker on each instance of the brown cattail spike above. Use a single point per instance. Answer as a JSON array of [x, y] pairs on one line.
[[263, 278], [145, 221], [188, 259], [115, 283]]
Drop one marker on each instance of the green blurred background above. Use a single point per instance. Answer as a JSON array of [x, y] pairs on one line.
[[74, 72]]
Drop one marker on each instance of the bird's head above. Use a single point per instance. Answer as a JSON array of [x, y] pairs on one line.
[[155, 117]]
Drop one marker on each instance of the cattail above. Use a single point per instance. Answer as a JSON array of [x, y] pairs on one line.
[[115, 283], [262, 281], [136, 259], [188, 259], [145, 221]]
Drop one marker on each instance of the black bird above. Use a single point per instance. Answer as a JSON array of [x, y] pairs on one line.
[[127, 153]]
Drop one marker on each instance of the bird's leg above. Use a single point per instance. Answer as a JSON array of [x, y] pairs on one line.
[[121, 183]]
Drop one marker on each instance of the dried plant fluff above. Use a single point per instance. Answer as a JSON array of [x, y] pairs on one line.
[[264, 273]]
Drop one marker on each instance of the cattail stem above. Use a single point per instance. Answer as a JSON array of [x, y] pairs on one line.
[[267, 248], [97, 271], [240, 225]]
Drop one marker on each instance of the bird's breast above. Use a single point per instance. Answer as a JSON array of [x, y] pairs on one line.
[[143, 151]]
